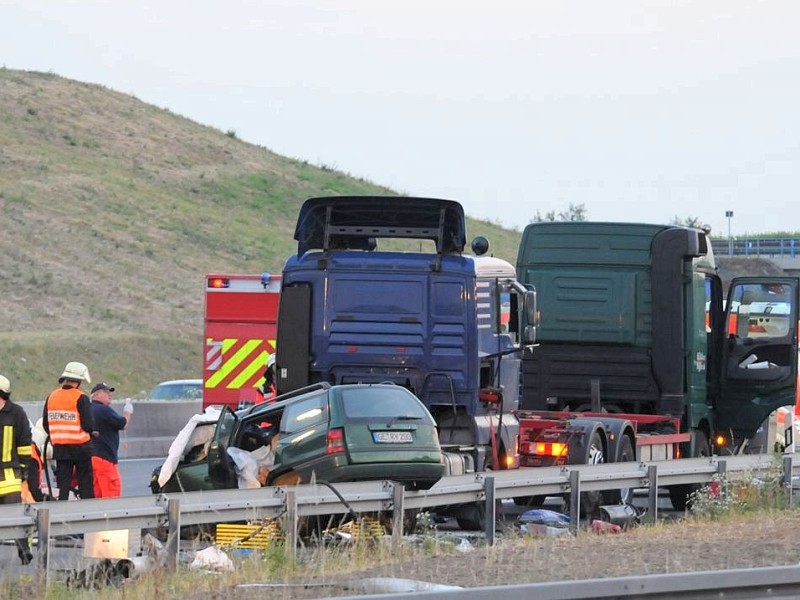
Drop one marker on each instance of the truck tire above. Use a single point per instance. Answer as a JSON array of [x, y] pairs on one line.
[[680, 495], [472, 517], [624, 454], [593, 454]]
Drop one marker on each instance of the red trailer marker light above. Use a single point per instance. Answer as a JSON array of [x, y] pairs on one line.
[[219, 282]]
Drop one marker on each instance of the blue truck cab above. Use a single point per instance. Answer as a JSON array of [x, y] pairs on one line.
[[381, 291]]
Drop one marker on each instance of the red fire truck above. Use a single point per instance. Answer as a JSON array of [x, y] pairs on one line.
[[241, 313]]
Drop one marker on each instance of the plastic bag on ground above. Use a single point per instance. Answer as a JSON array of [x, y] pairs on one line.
[[599, 526], [212, 558], [543, 522], [543, 516]]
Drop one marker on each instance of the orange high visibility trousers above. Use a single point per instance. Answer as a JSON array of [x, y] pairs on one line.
[[107, 482]]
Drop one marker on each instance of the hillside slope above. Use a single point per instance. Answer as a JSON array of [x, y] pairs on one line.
[[113, 210]]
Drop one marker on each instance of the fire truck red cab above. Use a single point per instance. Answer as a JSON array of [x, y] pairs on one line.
[[241, 313]]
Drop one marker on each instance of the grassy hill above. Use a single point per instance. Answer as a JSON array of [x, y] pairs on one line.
[[113, 210]]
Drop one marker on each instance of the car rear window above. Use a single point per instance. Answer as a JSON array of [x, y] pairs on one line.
[[381, 402]]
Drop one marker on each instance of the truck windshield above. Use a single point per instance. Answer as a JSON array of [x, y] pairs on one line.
[[760, 310]]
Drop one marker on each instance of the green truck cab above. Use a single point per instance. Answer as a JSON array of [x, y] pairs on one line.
[[633, 322]]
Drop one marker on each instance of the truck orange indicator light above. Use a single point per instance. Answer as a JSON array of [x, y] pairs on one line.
[[550, 449]]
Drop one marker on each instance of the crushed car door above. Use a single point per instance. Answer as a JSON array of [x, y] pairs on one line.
[[221, 471]]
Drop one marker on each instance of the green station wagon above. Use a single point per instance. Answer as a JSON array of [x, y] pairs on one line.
[[336, 433]]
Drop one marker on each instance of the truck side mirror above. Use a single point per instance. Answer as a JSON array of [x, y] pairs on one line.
[[530, 308]]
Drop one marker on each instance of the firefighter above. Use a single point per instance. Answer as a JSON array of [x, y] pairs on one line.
[[15, 456], [268, 389], [68, 419]]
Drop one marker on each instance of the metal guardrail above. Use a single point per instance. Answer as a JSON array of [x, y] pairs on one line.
[[50, 519], [766, 582], [757, 246]]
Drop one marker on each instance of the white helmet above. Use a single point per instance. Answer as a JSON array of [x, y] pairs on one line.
[[76, 371], [271, 360], [5, 384]]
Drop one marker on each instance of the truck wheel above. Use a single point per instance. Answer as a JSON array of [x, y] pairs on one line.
[[590, 501], [624, 454], [471, 517], [680, 495]]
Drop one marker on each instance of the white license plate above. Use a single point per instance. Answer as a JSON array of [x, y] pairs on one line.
[[392, 437]]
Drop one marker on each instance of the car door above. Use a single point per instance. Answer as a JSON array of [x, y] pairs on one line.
[[221, 472], [759, 371], [302, 440]]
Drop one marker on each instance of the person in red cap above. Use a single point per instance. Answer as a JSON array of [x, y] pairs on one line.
[[108, 423]]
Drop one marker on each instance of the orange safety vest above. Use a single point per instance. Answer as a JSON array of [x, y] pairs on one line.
[[63, 418], [37, 457]]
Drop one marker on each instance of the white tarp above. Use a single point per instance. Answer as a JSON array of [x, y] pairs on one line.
[[192, 434]]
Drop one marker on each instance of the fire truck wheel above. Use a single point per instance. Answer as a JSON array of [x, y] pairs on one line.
[[681, 495]]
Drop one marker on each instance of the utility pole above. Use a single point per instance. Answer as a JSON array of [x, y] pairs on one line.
[[729, 215]]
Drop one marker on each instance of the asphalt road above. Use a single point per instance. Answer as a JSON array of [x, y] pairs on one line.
[[135, 473]]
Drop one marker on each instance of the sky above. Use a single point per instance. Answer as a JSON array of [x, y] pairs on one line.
[[638, 110]]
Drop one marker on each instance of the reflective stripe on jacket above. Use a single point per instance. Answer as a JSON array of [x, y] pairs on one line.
[[15, 448], [63, 418]]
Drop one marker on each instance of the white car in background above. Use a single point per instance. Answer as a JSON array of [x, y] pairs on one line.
[[177, 389]]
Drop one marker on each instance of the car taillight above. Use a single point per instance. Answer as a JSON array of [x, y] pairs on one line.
[[336, 441]]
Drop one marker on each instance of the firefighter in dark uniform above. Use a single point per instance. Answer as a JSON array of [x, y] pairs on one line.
[[68, 419], [15, 456], [267, 389]]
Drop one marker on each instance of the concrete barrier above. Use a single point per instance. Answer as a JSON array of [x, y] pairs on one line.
[[154, 424]]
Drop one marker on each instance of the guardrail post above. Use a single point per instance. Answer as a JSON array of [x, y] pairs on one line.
[[291, 524], [43, 536], [652, 494], [398, 509], [574, 500], [491, 509], [173, 532], [787, 478], [722, 469]]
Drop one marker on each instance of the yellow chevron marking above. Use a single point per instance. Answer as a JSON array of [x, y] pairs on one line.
[[230, 363], [258, 364]]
